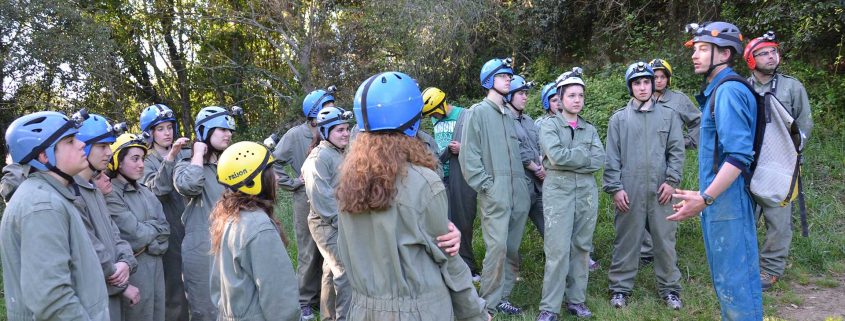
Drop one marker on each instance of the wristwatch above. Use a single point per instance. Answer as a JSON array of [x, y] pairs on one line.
[[708, 200]]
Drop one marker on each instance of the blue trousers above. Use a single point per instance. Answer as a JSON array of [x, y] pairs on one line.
[[730, 241]]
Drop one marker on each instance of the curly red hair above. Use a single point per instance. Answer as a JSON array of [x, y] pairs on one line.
[[375, 162]]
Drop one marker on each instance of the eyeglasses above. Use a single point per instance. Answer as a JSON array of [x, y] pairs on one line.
[[773, 52]]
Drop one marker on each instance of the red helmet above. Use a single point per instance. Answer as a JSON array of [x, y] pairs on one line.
[[767, 40]]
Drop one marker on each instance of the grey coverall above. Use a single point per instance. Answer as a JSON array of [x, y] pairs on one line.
[[252, 277], [644, 150], [200, 187], [396, 270], [529, 150], [158, 177], [492, 166], [571, 200], [321, 175], [140, 218], [292, 150], [50, 268], [105, 236], [775, 248], [13, 175]]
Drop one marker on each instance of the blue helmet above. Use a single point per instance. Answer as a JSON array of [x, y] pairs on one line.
[[314, 102], [719, 33], [549, 90], [330, 117], [97, 129], [39, 132], [636, 70], [157, 114], [518, 83], [494, 67], [215, 117], [389, 101]]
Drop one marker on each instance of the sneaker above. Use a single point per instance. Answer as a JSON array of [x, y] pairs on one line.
[[673, 301], [767, 280], [507, 308], [579, 310], [618, 300], [546, 316], [476, 278], [646, 260], [594, 266], [307, 314]]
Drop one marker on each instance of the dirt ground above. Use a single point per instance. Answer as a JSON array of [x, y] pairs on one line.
[[817, 302]]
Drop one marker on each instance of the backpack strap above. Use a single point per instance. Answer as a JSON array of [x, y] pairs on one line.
[[758, 130]]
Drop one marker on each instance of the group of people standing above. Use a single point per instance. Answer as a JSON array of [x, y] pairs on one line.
[[105, 225]]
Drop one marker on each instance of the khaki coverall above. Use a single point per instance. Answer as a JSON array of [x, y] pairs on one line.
[[396, 270], [492, 166], [140, 218]]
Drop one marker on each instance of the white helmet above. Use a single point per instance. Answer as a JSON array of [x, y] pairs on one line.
[[574, 77]]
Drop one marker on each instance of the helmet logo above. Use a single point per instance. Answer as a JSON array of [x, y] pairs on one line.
[[237, 174], [230, 121]]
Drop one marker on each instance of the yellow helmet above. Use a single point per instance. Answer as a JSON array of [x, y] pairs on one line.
[[123, 142], [241, 165], [660, 64], [434, 101]]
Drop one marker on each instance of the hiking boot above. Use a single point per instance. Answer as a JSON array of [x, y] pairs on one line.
[[618, 300], [594, 265], [673, 301], [507, 308], [579, 310], [767, 280], [307, 314], [546, 316]]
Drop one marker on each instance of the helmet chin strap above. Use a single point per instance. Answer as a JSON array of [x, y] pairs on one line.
[[712, 66], [71, 182]]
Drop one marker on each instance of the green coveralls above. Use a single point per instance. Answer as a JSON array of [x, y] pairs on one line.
[[691, 117], [571, 201], [292, 150], [492, 166], [396, 270], [529, 151], [321, 173], [158, 177], [200, 187], [105, 236], [775, 248], [140, 218], [13, 175], [644, 150], [50, 268], [252, 276]]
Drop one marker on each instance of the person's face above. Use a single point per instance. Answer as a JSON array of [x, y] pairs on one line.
[[221, 138], [660, 80], [767, 59], [132, 164], [103, 183], [163, 134], [99, 156], [502, 82], [573, 99], [554, 103], [641, 88], [70, 155], [702, 51], [519, 99], [339, 135]]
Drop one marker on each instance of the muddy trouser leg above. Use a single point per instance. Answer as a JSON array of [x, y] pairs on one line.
[[516, 228], [196, 267], [309, 268], [176, 301], [535, 213], [586, 214], [663, 233], [626, 248], [730, 241], [336, 289], [775, 248], [462, 208], [559, 219], [495, 218]]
